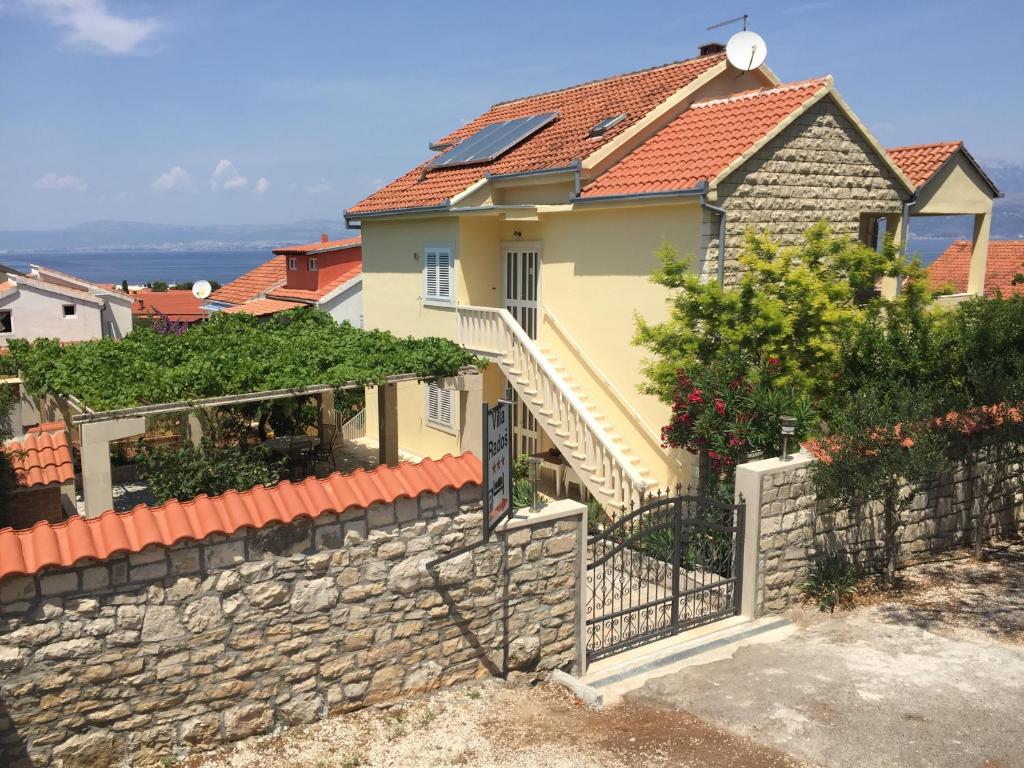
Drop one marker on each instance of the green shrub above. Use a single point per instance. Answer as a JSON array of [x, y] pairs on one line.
[[522, 493], [597, 518], [521, 467], [830, 581]]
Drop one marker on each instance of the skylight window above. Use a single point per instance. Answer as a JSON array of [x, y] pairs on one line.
[[602, 127], [492, 141]]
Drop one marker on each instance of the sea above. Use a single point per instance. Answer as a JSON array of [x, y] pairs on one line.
[[143, 266]]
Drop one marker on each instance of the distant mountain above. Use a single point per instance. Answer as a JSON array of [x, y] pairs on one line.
[[122, 235]]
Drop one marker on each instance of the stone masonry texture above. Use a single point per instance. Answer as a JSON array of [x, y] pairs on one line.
[[152, 656], [818, 167], [797, 528]]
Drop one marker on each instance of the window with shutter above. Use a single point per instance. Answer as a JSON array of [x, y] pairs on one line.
[[440, 411], [438, 281]]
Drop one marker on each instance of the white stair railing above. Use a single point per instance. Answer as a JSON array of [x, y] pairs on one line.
[[587, 448]]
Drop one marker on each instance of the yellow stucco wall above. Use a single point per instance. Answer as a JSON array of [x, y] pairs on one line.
[[957, 188]]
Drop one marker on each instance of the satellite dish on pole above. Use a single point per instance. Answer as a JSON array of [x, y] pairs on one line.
[[746, 50], [201, 289]]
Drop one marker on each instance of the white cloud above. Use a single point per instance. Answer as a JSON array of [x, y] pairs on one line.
[[53, 181], [89, 24], [319, 189], [176, 178], [262, 185], [226, 176]]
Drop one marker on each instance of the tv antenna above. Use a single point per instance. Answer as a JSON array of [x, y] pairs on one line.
[[745, 50]]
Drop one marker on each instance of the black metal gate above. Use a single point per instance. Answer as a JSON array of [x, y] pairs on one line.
[[671, 564]]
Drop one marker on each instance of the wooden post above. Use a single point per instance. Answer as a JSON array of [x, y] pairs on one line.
[[387, 424]]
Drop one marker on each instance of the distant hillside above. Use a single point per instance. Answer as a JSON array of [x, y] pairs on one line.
[[118, 235]]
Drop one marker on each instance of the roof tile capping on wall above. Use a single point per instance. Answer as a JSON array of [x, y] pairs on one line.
[[40, 458], [64, 544]]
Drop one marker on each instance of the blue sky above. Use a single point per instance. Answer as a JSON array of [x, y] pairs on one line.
[[209, 111]]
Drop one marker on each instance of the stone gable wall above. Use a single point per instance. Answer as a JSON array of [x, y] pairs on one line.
[[170, 651], [796, 528], [818, 167]]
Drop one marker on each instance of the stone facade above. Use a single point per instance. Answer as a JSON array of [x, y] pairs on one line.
[[818, 167], [159, 654], [796, 528]]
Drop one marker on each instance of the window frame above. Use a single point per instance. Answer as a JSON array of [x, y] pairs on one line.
[[442, 394], [311, 264], [293, 264], [10, 321], [74, 311], [435, 251]]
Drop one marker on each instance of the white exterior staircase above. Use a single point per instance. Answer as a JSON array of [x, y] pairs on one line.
[[588, 443]]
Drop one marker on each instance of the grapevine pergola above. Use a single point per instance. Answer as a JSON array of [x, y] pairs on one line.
[[107, 387]]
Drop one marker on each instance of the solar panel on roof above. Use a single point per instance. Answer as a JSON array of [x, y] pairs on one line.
[[491, 141]]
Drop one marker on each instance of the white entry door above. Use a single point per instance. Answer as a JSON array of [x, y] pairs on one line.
[[521, 278]]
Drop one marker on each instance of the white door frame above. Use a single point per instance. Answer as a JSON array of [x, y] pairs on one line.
[[526, 430]]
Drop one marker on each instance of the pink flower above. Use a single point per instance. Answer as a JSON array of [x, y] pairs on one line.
[[773, 362], [696, 396], [720, 406]]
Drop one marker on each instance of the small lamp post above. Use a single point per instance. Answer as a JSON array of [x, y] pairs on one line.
[[788, 430], [533, 471]]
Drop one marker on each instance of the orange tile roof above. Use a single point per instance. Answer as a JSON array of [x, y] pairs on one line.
[[261, 307], [47, 426], [1005, 260], [256, 281], [179, 305], [351, 272], [64, 544], [323, 245], [40, 458], [702, 142], [557, 145], [920, 162]]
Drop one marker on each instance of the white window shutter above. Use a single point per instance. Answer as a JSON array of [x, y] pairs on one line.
[[439, 407], [444, 276], [430, 275], [437, 274]]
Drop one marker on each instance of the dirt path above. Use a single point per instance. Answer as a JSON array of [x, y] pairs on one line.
[[498, 726]]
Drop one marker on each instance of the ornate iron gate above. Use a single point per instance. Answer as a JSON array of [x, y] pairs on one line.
[[671, 564]]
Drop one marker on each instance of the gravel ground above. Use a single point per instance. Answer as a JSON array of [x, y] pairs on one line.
[[496, 725]]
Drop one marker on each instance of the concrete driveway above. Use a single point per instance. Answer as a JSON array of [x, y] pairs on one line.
[[852, 690]]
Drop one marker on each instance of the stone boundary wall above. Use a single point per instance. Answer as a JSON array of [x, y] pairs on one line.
[[147, 657], [796, 528]]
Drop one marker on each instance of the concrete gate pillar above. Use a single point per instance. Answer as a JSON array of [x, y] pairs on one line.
[[96, 436]]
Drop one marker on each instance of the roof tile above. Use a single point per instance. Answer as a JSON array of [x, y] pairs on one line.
[[40, 458], [64, 544], [350, 272], [261, 307], [1005, 261], [253, 283], [179, 305], [920, 162], [320, 247]]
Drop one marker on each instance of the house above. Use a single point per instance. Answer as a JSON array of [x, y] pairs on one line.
[[45, 303], [43, 482], [178, 306], [1004, 262], [529, 236], [326, 274]]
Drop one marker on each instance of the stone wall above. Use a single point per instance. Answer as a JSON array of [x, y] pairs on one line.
[[796, 527], [818, 167], [163, 653]]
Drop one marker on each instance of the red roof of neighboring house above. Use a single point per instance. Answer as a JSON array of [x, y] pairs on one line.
[[179, 305], [261, 307], [1005, 260], [704, 140], [41, 458], [323, 245], [351, 271], [920, 162], [253, 283], [64, 544], [557, 145], [47, 426]]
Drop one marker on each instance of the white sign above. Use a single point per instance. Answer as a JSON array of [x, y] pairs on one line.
[[497, 465]]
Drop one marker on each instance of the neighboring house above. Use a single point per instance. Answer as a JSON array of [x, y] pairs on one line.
[[45, 303], [530, 237], [1005, 262], [326, 275], [43, 486], [178, 306]]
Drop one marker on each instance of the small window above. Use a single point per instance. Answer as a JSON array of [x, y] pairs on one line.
[[292, 264], [439, 408], [605, 125], [312, 263], [438, 285], [5, 321], [68, 309]]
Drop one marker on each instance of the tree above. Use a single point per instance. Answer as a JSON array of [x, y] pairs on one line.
[[158, 285], [124, 286]]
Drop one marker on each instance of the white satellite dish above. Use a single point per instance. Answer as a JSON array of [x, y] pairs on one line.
[[201, 289], [746, 50]]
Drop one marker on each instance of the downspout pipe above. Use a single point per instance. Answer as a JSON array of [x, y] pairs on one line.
[[721, 237]]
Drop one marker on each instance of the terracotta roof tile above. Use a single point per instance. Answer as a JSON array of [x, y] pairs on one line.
[[329, 245], [47, 426], [179, 305], [920, 162], [557, 145], [1005, 260], [64, 544], [702, 142], [253, 283], [41, 458], [261, 307], [352, 271]]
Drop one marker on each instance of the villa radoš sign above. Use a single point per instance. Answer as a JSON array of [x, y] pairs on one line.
[[497, 465]]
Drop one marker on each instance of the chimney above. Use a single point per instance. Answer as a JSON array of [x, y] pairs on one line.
[[709, 48], [323, 238]]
